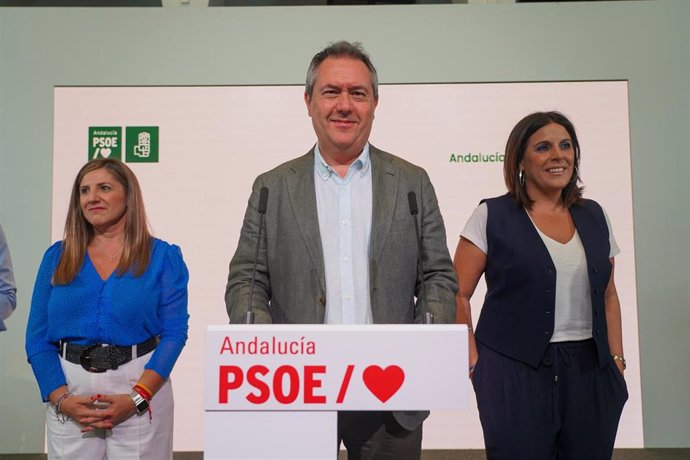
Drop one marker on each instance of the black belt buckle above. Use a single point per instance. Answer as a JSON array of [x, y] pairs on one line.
[[85, 360]]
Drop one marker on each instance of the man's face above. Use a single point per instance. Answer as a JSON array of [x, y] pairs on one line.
[[342, 107]]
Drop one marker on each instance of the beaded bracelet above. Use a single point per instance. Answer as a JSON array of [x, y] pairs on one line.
[[61, 417]]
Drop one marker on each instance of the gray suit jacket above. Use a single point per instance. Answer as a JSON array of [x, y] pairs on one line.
[[290, 280]]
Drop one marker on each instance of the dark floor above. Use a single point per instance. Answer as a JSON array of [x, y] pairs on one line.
[[619, 454]]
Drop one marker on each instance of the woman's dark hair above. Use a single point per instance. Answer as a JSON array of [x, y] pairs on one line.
[[515, 152]]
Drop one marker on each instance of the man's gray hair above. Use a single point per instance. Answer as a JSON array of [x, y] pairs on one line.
[[341, 49]]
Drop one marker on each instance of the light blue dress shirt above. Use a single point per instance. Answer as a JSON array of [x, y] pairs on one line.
[[344, 206], [8, 291]]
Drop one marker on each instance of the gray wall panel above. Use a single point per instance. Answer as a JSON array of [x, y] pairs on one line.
[[645, 42]]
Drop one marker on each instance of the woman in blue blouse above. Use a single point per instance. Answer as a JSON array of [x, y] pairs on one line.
[[108, 321]]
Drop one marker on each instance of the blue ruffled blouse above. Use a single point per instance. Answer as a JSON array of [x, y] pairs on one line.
[[121, 310]]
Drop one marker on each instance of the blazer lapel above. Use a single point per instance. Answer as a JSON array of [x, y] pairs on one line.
[[300, 187], [384, 183]]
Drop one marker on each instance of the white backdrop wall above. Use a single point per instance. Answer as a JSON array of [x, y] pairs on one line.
[[213, 144], [643, 42]]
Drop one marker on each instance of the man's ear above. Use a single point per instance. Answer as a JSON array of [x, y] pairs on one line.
[[307, 102]]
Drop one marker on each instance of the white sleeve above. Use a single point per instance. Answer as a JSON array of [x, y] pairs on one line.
[[615, 250], [475, 228]]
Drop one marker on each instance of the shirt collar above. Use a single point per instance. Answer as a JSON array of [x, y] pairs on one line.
[[361, 164]]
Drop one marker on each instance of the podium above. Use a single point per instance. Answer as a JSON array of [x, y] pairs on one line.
[[273, 391]]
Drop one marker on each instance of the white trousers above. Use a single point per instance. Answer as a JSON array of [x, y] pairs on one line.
[[135, 438]]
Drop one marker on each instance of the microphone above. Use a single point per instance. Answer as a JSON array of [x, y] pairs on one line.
[[412, 198], [263, 201], [414, 210]]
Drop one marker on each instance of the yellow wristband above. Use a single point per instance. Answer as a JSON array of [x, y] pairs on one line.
[[145, 388]]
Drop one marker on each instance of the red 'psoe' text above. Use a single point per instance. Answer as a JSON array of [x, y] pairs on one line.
[[286, 384]]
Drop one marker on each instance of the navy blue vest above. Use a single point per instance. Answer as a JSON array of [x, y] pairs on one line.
[[517, 318]]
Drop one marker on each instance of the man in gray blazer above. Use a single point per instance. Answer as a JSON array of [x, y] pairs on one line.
[[339, 244]]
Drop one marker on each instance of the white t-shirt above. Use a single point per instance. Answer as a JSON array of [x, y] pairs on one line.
[[573, 309]]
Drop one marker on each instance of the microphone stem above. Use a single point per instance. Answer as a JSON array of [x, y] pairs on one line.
[[428, 316], [249, 319]]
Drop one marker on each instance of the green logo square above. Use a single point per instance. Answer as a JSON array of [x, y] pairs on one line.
[[141, 144], [105, 142]]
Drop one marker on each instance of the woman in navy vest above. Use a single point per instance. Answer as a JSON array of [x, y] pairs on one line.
[[547, 355]]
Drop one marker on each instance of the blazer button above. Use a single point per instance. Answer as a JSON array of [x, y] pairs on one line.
[[548, 312], [322, 301], [595, 270], [596, 291], [546, 333]]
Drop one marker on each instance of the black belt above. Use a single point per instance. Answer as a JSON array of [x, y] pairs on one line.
[[103, 357]]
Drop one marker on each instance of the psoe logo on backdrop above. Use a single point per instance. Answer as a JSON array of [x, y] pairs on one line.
[[141, 144], [477, 157], [105, 142]]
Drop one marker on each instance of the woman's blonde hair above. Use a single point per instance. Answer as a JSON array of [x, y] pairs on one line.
[[79, 233]]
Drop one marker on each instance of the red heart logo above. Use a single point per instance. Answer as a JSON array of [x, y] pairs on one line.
[[383, 383]]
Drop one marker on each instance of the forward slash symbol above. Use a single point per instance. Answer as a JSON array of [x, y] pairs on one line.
[[345, 383]]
